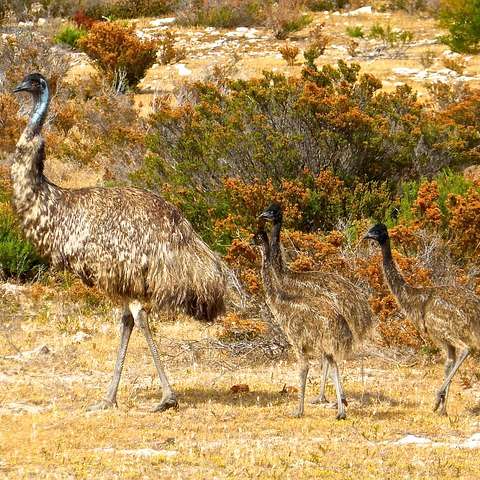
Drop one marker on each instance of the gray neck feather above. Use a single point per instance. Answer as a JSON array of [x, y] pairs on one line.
[[276, 252], [38, 114], [396, 282]]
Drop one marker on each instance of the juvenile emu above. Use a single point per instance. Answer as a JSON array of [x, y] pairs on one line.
[[347, 299], [130, 243], [450, 316], [312, 325]]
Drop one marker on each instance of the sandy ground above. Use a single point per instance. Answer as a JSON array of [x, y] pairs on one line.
[[54, 362]]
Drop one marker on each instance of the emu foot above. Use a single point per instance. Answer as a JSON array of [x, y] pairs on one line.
[[167, 403], [320, 400], [297, 413], [326, 404], [440, 403], [102, 405], [341, 416]]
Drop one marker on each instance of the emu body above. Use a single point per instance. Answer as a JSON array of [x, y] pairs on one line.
[[313, 327], [128, 242], [449, 316], [338, 292]]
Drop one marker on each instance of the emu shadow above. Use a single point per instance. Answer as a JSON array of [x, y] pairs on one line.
[[198, 396]]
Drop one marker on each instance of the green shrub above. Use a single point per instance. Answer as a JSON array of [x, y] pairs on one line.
[[275, 129], [462, 19], [222, 14], [70, 35], [18, 258], [122, 9], [355, 32], [323, 5], [391, 38], [287, 27]]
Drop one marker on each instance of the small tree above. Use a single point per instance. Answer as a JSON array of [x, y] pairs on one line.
[[462, 19]]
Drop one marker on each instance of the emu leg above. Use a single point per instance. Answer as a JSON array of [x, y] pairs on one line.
[[341, 415], [449, 363], [110, 400], [321, 399], [441, 399], [303, 373], [169, 399]]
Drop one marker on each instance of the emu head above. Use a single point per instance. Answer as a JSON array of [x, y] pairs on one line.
[[273, 213], [378, 233], [34, 83]]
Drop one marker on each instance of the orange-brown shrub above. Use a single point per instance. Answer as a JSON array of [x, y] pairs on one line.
[[10, 124], [464, 223], [116, 48], [426, 205]]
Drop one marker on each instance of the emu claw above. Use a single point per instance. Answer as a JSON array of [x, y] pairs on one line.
[[166, 404], [440, 402], [341, 416], [319, 400], [102, 405]]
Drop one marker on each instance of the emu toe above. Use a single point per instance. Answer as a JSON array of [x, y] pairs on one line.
[[341, 416], [102, 405], [167, 403], [440, 403], [320, 400]]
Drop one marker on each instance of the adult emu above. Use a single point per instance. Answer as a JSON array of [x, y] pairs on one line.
[[347, 299], [312, 325], [130, 243], [450, 316]]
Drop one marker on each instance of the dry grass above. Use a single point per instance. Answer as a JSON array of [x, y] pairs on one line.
[[46, 432]]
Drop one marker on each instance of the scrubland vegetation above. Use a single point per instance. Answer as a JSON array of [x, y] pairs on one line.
[[337, 150]]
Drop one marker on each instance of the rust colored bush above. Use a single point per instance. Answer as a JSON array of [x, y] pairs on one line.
[[464, 223], [115, 49], [10, 124], [82, 20]]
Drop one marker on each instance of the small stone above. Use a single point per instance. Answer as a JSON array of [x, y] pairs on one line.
[[81, 337], [162, 21]]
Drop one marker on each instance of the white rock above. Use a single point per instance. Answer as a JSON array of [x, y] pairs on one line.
[[81, 337], [421, 75], [10, 408], [25, 24], [242, 29], [41, 21], [141, 452], [405, 71], [472, 442], [22, 356], [448, 72], [7, 287], [412, 439], [359, 11], [162, 21], [182, 70]]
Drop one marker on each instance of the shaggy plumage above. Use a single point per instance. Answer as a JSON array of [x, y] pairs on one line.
[[128, 242], [449, 316], [312, 325], [341, 294]]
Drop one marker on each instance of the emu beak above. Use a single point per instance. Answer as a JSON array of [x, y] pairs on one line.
[[24, 86], [265, 216]]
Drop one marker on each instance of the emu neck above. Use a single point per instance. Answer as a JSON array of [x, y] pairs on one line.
[[394, 279], [276, 251], [267, 274], [38, 114], [28, 180]]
